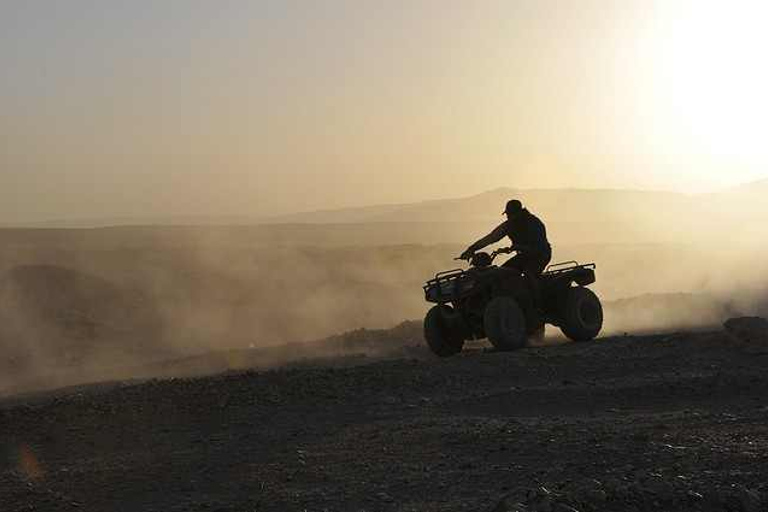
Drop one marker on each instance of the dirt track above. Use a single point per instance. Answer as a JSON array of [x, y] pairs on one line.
[[664, 422]]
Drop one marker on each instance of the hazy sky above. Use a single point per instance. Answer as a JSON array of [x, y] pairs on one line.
[[152, 107]]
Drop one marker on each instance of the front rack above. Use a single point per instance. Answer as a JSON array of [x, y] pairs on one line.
[[444, 286]]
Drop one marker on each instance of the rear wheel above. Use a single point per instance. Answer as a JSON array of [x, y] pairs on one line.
[[582, 315], [440, 332], [504, 324]]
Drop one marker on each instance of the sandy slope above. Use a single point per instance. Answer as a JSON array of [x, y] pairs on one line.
[[663, 422]]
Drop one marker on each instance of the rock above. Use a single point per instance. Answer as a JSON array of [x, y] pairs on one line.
[[540, 499], [538, 493], [383, 496], [598, 496], [562, 507], [508, 505], [750, 329], [750, 500], [658, 486]]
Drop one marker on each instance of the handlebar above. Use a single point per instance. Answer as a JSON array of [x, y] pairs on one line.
[[502, 250]]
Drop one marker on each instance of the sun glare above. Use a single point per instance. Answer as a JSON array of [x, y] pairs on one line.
[[711, 79]]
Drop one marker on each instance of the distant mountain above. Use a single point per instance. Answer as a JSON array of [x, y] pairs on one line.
[[615, 213], [337, 216], [557, 205], [572, 215], [168, 220]]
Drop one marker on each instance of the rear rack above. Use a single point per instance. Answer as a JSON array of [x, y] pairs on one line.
[[567, 266]]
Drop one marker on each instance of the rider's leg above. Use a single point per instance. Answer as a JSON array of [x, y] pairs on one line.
[[528, 266], [535, 287], [516, 262], [535, 269], [532, 271]]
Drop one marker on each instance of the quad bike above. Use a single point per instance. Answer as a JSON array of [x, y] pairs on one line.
[[503, 305]]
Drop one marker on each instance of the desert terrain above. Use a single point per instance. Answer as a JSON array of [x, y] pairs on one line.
[[671, 421], [217, 220]]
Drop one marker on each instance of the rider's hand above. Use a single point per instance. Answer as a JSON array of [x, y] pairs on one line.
[[467, 255]]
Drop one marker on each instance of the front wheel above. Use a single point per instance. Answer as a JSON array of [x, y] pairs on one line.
[[504, 324], [442, 337], [582, 314]]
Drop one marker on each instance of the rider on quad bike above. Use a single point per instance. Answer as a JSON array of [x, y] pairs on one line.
[[529, 238], [508, 304]]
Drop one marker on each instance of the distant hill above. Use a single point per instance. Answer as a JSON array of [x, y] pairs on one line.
[[167, 220], [338, 216], [557, 205], [575, 215]]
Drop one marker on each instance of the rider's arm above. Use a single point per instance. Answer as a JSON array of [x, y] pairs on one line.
[[491, 238]]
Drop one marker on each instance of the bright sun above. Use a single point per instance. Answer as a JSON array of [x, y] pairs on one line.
[[710, 79]]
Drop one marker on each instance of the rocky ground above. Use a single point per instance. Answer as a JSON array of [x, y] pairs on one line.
[[675, 421]]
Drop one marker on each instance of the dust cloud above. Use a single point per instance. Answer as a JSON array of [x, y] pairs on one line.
[[94, 304]]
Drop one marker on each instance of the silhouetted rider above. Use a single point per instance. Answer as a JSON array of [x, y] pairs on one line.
[[529, 238]]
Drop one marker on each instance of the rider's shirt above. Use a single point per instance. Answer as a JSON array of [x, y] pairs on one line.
[[527, 230]]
